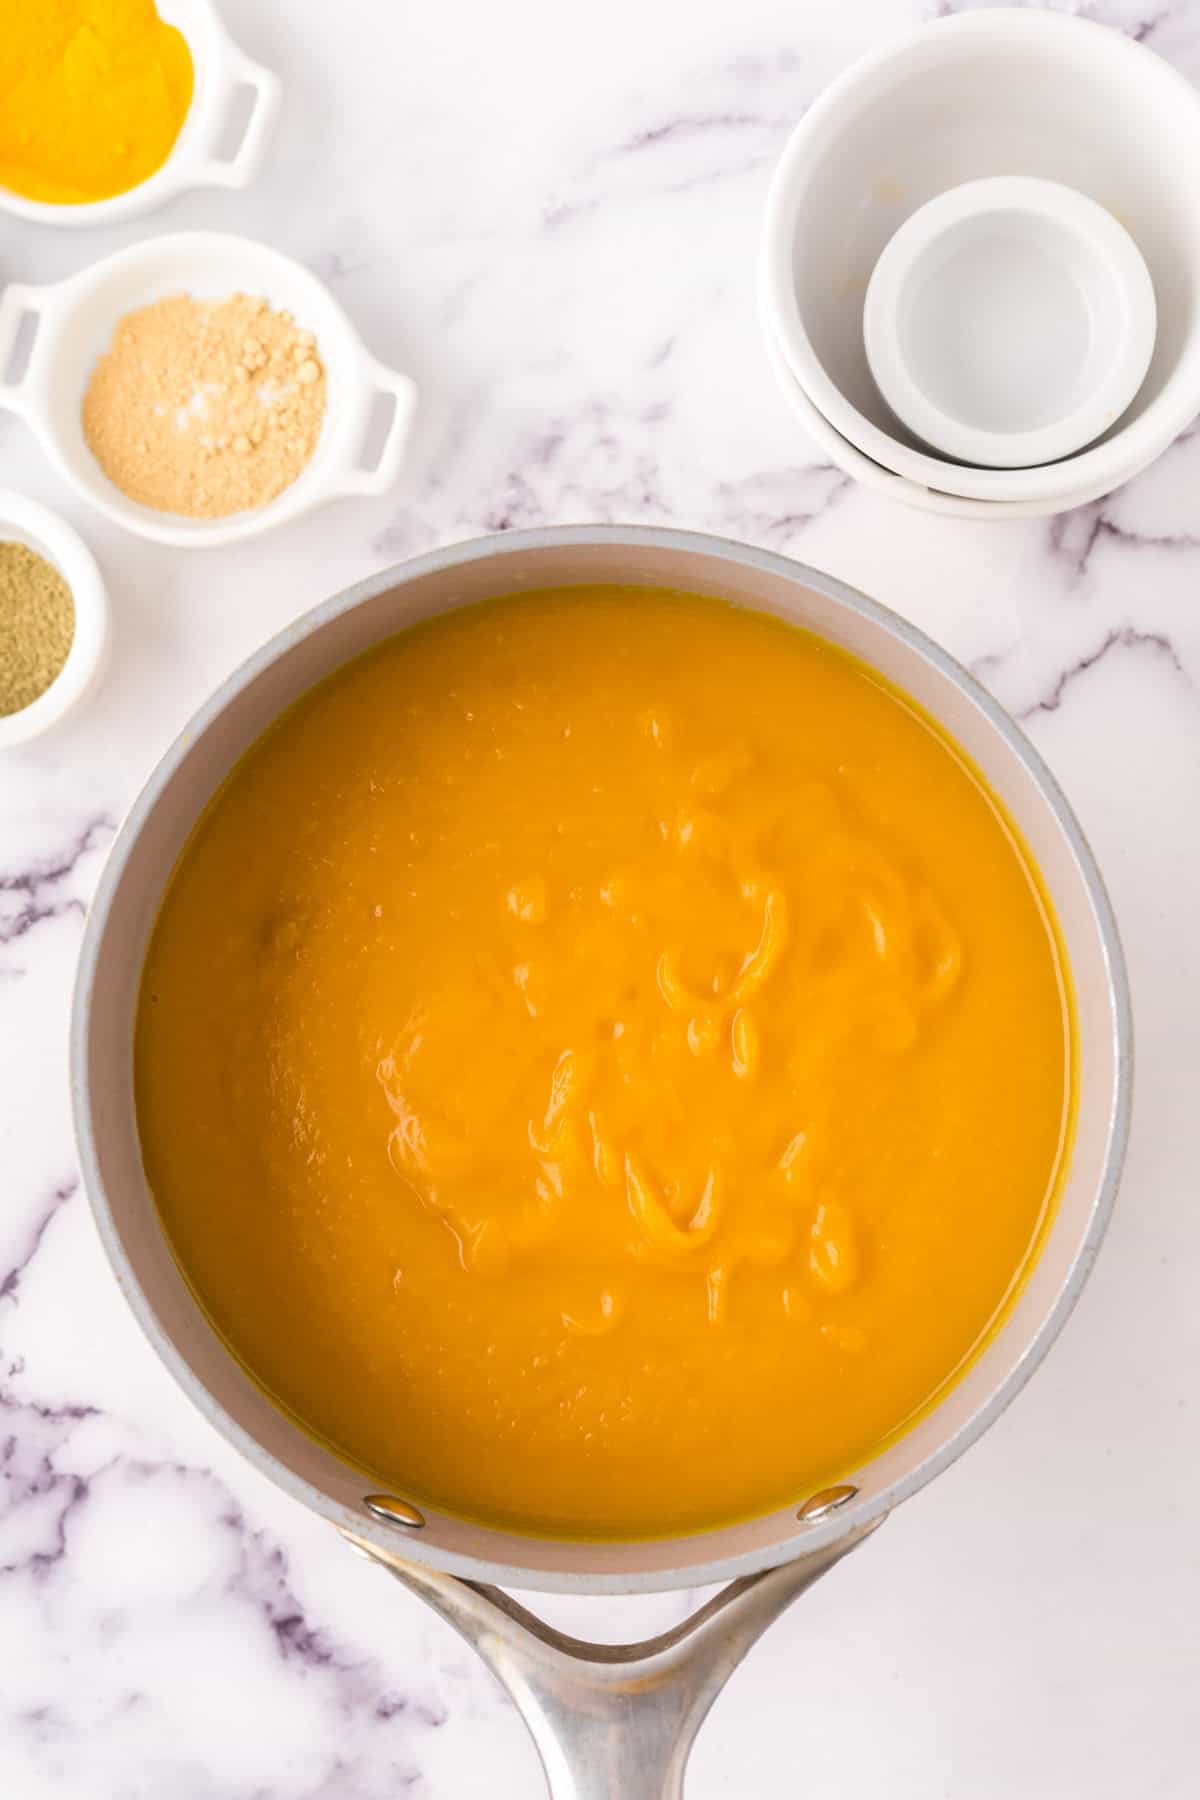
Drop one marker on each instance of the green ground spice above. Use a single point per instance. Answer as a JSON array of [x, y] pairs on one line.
[[37, 624]]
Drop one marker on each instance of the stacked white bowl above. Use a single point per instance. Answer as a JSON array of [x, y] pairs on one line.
[[1034, 363]]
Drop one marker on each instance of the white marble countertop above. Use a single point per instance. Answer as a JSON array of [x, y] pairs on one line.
[[549, 215]]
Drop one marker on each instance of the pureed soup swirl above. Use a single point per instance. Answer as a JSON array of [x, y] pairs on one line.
[[603, 1062]]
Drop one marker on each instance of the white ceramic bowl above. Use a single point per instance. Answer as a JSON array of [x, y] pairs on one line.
[[75, 320], [23, 521], [997, 92], [220, 70], [1009, 322], [845, 456]]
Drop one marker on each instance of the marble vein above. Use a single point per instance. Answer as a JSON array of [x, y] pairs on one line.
[[1123, 15], [32, 895], [1074, 537], [59, 1196], [1128, 638]]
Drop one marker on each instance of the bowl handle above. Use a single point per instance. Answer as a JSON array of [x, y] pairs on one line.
[[240, 168], [15, 302], [615, 1721], [378, 381]]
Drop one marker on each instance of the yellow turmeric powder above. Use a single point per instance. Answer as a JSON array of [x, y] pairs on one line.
[[92, 97]]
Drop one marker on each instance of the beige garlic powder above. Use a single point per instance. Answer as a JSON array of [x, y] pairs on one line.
[[205, 407]]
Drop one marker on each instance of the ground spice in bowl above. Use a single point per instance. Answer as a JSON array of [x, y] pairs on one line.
[[205, 407], [94, 97], [37, 626]]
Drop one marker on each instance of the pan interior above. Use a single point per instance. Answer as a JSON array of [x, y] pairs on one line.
[[649, 1099]]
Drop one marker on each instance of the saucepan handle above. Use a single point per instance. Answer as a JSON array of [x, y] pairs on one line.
[[615, 1722]]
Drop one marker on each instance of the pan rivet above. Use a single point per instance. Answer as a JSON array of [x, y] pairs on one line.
[[396, 1512], [827, 1501]]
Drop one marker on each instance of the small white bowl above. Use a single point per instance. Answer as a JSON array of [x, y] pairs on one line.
[[844, 455], [1009, 322], [23, 521], [1002, 91], [220, 71], [75, 320]]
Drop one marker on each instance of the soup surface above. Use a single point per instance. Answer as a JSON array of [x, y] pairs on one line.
[[602, 1062]]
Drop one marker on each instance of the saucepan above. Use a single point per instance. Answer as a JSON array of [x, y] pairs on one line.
[[610, 1723]]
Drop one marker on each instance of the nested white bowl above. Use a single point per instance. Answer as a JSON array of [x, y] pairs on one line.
[[75, 320], [1010, 322], [997, 92], [219, 70], [846, 456]]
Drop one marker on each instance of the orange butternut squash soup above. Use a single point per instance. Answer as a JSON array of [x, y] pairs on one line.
[[603, 1062]]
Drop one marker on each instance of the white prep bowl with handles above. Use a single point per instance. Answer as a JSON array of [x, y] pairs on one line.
[[74, 321], [220, 70]]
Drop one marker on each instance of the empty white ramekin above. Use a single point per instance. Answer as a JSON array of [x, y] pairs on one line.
[[23, 521], [220, 71], [74, 323], [1009, 322]]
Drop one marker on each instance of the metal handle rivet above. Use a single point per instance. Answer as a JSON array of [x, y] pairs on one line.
[[827, 1501], [395, 1512]]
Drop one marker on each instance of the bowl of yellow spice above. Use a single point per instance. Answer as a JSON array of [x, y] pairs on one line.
[[109, 111], [200, 388], [53, 619]]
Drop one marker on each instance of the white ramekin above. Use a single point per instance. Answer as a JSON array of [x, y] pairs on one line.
[[74, 323], [23, 521], [1009, 322], [220, 71]]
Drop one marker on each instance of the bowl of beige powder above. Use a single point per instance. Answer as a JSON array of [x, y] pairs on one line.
[[199, 389]]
